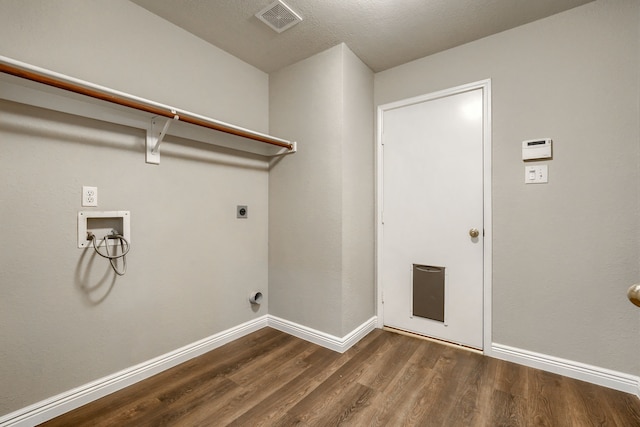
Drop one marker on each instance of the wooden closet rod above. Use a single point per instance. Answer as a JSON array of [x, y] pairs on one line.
[[103, 94]]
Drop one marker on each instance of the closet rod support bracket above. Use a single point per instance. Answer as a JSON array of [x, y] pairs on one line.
[[154, 138], [285, 151]]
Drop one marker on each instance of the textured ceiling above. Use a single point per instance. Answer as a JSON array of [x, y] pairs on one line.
[[383, 33]]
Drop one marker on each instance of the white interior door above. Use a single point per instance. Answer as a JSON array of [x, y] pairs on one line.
[[432, 200]]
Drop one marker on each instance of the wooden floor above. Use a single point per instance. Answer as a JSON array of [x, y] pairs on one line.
[[270, 378]]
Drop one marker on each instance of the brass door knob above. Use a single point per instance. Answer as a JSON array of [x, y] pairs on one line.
[[474, 233], [634, 294]]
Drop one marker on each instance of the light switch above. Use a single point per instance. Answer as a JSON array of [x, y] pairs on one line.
[[536, 174]]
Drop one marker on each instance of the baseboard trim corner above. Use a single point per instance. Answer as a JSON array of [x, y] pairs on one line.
[[57, 405], [64, 402], [581, 371], [323, 339]]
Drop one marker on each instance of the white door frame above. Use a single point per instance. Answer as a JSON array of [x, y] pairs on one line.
[[485, 85]]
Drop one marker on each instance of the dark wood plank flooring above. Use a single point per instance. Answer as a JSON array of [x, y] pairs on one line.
[[269, 378]]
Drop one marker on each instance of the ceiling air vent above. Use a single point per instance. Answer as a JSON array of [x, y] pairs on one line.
[[278, 16]]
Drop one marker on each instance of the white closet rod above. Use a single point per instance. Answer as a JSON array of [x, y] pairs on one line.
[[61, 81]]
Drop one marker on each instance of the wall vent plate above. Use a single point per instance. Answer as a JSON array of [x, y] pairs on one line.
[[278, 16]]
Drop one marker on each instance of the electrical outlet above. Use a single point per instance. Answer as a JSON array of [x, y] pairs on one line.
[[89, 196]]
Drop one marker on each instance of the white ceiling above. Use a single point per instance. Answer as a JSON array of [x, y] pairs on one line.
[[382, 33]]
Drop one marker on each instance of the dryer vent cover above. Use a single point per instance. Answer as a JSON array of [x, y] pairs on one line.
[[278, 16]]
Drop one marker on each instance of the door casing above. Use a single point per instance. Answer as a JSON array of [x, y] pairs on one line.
[[485, 85]]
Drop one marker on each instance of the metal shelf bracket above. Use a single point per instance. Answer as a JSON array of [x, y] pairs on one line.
[[154, 138]]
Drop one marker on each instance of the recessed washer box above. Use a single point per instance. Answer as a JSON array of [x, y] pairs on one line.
[[536, 149], [103, 223]]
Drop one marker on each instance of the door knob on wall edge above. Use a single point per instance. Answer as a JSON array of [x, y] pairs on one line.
[[634, 294], [474, 233]]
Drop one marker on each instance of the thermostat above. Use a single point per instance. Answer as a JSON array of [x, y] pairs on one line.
[[535, 149]]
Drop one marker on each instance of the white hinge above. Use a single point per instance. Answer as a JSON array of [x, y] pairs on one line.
[[382, 296]]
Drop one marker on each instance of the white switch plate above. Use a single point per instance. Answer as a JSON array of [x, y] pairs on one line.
[[89, 196], [536, 174]]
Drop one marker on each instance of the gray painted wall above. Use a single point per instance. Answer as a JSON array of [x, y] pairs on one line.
[[64, 320], [358, 290], [563, 253], [321, 199]]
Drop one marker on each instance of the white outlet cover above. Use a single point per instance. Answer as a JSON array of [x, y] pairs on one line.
[[89, 196]]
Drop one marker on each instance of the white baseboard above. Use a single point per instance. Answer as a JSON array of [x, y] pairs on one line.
[[57, 405], [326, 340], [569, 368]]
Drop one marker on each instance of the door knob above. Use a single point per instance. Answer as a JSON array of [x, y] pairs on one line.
[[634, 294], [474, 233]]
